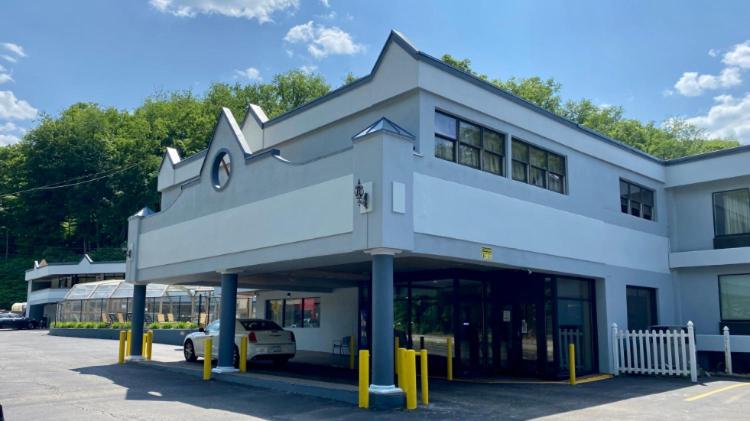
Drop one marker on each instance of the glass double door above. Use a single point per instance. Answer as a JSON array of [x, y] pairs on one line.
[[499, 333]]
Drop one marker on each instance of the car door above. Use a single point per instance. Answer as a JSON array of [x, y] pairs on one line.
[[212, 331]]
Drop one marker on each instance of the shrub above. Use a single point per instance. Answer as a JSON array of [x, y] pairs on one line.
[[154, 325]]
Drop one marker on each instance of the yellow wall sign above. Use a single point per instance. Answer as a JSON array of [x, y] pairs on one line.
[[486, 253]]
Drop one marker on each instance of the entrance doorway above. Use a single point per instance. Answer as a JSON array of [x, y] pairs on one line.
[[503, 323]]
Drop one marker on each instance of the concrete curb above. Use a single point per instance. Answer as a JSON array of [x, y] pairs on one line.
[[333, 391]]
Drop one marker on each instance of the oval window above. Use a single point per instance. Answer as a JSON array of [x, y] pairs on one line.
[[222, 170]]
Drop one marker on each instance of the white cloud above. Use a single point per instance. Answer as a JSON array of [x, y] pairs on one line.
[[12, 108], [713, 52], [729, 117], [9, 58], [323, 41], [325, 3], [251, 73], [7, 139], [4, 77], [308, 69], [14, 48], [694, 84], [10, 133], [261, 10], [738, 56]]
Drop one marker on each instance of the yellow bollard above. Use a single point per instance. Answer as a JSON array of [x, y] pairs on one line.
[[129, 344], [411, 379], [144, 345], [351, 353], [121, 351], [401, 369], [364, 378], [207, 344], [424, 376], [449, 358], [150, 345], [243, 354], [396, 347], [572, 363]]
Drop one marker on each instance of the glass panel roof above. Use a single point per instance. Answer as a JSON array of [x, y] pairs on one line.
[[122, 289]]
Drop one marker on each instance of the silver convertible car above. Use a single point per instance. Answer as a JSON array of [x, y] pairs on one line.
[[265, 341]]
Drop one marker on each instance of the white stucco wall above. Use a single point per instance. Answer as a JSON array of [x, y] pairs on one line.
[[338, 317]]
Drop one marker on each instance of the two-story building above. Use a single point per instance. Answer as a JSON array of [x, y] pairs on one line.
[[421, 202], [48, 283]]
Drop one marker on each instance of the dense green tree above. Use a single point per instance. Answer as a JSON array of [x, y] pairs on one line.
[[674, 138]]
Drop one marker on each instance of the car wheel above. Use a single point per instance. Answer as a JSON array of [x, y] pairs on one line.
[[30, 325], [236, 358], [189, 350], [280, 362]]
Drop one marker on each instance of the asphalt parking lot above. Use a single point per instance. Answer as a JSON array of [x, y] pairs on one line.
[[45, 377]]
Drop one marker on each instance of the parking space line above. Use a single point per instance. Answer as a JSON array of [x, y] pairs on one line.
[[713, 392]]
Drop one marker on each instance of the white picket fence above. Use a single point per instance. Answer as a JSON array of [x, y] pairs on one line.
[[668, 353], [567, 337]]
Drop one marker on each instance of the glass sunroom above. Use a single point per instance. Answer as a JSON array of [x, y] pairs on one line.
[[110, 301]]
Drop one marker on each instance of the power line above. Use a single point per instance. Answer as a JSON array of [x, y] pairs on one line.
[[58, 185]]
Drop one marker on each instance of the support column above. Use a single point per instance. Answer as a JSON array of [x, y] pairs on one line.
[[136, 322], [226, 326], [384, 392]]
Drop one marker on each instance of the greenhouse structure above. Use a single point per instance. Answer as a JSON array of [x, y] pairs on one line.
[[110, 302]]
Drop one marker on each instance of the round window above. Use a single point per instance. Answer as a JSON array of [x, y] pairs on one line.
[[222, 170]]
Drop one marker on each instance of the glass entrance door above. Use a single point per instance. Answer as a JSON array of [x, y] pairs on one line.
[[471, 324]]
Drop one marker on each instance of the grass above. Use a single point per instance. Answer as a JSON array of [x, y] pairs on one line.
[[126, 325]]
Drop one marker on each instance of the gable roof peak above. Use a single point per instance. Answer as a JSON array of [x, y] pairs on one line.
[[384, 125]]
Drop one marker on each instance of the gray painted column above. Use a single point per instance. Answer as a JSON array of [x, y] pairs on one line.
[[226, 327], [383, 389], [136, 325]]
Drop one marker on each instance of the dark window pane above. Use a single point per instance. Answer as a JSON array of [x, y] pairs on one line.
[[311, 312], [647, 197], [468, 155], [444, 148], [293, 313], [519, 171], [641, 303], [555, 182], [538, 157], [492, 163], [624, 189], [520, 151], [445, 125], [624, 205], [573, 288], [536, 177], [647, 212], [493, 142], [274, 309], [469, 133], [732, 212], [556, 163], [635, 193], [635, 208], [735, 297]]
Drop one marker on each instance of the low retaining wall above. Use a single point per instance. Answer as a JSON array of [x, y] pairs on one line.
[[161, 336]]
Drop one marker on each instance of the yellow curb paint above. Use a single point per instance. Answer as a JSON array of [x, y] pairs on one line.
[[713, 392]]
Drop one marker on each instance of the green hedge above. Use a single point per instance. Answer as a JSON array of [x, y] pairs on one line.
[[118, 325]]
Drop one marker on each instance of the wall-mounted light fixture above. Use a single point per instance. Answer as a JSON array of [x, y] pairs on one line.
[[360, 195]]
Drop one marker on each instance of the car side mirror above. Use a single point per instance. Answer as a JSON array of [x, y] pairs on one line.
[[202, 330]]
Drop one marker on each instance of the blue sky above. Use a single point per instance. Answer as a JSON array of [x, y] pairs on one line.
[[655, 58]]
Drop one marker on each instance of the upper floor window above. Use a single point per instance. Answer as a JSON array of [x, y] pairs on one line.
[[732, 218], [469, 144], [734, 293], [538, 167], [636, 200]]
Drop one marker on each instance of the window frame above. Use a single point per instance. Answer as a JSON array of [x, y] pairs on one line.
[[545, 171], [641, 204], [302, 311], [713, 208], [721, 304], [654, 295], [458, 143]]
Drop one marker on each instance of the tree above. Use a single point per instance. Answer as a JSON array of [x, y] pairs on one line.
[[674, 138]]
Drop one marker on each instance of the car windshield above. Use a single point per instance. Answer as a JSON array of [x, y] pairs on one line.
[[259, 325]]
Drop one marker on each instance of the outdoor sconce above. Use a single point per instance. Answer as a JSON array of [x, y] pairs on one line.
[[362, 196]]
